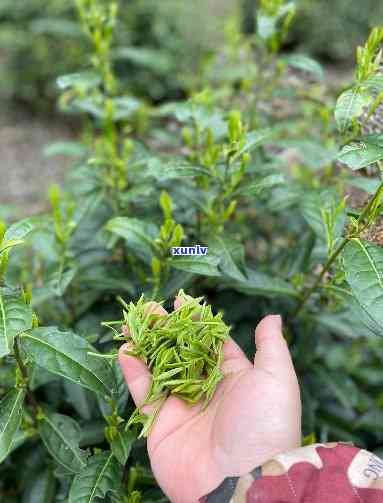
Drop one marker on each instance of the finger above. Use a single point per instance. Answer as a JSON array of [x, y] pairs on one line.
[[136, 373], [272, 352], [234, 359], [137, 376]]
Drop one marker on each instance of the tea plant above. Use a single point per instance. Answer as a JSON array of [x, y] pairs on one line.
[[266, 184]]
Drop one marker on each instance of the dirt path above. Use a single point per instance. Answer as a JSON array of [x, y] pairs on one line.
[[25, 174]]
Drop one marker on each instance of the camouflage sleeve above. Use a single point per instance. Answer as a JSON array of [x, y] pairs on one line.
[[335, 472]]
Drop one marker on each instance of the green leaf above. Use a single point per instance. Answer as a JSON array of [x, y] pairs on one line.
[[259, 186], [253, 140], [83, 80], [264, 285], [139, 235], [66, 354], [15, 318], [350, 105], [313, 205], [41, 488], [102, 474], [21, 229], [266, 26], [375, 83], [362, 153], [56, 27], [205, 266], [154, 59], [61, 436], [231, 253], [311, 153], [11, 409], [306, 64], [167, 170], [65, 148], [341, 387], [369, 185], [122, 445], [363, 265]]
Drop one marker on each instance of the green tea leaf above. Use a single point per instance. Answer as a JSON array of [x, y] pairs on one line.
[[102, 474], [122, 445], [259, 186], [61, 436], [41, 488], [66, 354], [83, 80], [139, 235], [314, 204], [205, 266], [363, 264], [11, 409], [15, 318], [231, 253], [65, 148], [167, 170], [306, 64], [362, 153], [350, 105], [253, 140], [21, 229], [264, 285]]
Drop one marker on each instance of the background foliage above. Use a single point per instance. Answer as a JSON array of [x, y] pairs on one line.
[[247, 151]]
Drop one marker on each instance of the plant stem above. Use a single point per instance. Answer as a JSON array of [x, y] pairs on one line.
[[307, 294], [24, 373], [318, 281]]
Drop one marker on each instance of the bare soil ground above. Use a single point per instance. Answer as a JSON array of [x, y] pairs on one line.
[[25, 174]]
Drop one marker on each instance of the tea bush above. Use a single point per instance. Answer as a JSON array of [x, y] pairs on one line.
[[158, 47], [261, 165]]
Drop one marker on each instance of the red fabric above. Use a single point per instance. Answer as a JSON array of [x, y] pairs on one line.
[[305, 483]]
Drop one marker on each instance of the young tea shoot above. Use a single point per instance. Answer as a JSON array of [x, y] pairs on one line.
[[183, 350]]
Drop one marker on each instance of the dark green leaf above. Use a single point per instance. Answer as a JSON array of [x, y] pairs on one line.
[[231, 253], [11, 409], [66, 354], [166, 170], [40, 489], [306, 64], [15, 318], [350, 105], [360, 154], [259, 186], [139, 235], [122, 445], [253, 140], [314, 204], [363, 264], [102, 474], [83, 80], [61, 436], [264, 285], [205, 266]]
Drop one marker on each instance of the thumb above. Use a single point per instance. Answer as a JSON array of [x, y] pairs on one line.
[[137, 377], [272, 352]]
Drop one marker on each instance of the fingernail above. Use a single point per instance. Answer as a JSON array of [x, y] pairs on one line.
[[125, 347], [276, 319]]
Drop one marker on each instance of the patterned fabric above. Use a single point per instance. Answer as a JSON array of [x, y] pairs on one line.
[[319, 473]]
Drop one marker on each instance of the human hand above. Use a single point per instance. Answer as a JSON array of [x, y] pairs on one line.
[[255, 414]]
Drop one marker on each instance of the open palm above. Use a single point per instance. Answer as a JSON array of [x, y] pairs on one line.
[[255, 413]]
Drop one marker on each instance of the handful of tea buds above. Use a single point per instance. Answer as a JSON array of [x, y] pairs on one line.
[[183, 350]]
